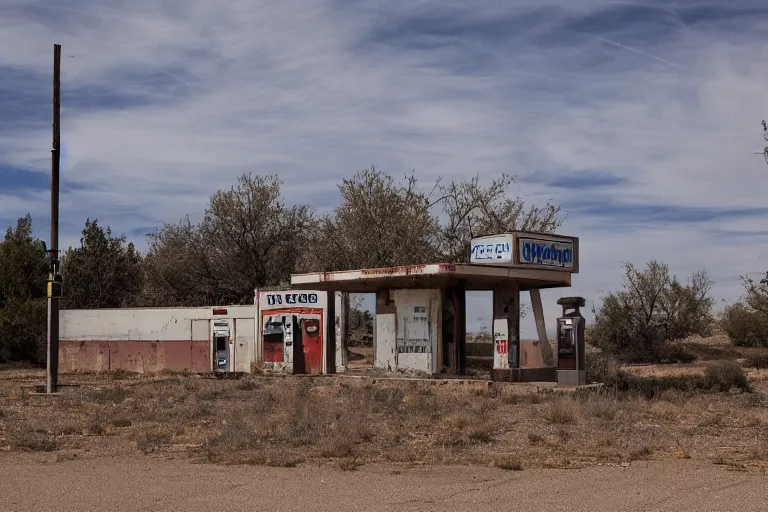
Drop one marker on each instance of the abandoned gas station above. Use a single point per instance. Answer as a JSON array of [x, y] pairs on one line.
[[420, 315], [419, 321]]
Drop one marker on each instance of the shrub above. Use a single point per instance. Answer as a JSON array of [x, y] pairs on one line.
[[724, 375], [562, 411], [744, 326], [511, 463], [675, 353], [758, 361], [602, 368], [36, 443], [638, 322]]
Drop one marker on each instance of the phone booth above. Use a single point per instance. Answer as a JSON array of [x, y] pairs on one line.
[[571, 367]]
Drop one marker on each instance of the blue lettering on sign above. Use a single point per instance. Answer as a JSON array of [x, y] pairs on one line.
[[276, 299], [558, 254], [491, 251]]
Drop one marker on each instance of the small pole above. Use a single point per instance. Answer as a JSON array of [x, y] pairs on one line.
[[53, 290]]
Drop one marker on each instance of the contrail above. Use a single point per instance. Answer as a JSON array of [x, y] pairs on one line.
[[640, 52]]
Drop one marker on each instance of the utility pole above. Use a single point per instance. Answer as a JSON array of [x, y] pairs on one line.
[[54, 279]]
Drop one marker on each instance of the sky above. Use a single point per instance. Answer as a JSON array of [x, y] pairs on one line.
[[640, 118]]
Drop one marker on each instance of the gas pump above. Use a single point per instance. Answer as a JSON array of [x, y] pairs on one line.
[[221, 362], [288, 339], [571, 369]]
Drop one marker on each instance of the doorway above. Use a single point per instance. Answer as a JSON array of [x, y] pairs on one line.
[[453, 343], [358, 339]]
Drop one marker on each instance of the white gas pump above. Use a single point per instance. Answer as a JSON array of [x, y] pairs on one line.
[[288, 339], [222, 353]]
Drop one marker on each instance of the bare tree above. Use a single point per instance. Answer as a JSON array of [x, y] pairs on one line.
[[471, 209], [381, 222], [248, 238]]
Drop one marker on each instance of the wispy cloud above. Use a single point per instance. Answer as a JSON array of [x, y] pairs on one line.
[[640, 117]]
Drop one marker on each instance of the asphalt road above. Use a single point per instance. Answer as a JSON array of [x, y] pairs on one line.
[[38, 483]]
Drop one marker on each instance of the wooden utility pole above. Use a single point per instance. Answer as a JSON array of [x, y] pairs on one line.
[[54, 279]]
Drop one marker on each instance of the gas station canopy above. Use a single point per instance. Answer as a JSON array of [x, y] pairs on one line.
[[436, 275], [533, 260]]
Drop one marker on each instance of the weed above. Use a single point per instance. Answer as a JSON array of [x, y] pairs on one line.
[[122, 374], [152, 439], [248, 384], [347, 464], [562, 411], [602, 407], [63, 457], [337, 447], [641, 453], [109, 395], [70, 429], [96, 427], [481, 435], [36, 443], [120, 422], [758, 361], [510, 463], [564, 435]]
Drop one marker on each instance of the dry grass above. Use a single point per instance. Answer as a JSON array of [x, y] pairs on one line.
[[288, 421]]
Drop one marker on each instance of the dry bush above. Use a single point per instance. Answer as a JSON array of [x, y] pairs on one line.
[[97, 427], [603, 368], [745, 327], [120, 422], [123, 374], [509, 463], [64, 457], [602, 406], [68, 429], [757, 361], [108, 395], [562, 411], [347, 464], [642, 453], [724, 375], [639, 322], [154, 438], [35, 442], [746, 323]]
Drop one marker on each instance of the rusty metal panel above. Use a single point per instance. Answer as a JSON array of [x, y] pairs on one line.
[[134, 356], [90, 356], [201, 356], [531, 357], [174, 355]]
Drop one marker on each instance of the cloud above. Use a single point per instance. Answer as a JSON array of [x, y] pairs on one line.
[[639, 117]]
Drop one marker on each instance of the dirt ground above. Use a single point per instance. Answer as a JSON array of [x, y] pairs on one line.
[[184, 442], [37, 483]]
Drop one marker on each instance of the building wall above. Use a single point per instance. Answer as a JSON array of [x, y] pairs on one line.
[[149, 339]]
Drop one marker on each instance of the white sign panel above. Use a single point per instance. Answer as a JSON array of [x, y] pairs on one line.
[[491, 249], [292, 299], [546, 253]]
